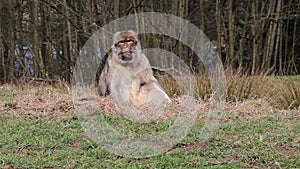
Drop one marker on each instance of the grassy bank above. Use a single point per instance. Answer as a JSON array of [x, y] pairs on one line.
[[39, 129]]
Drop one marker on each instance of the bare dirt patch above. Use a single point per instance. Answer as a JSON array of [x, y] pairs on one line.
[[290, 152], [195, 146], [4, 118]]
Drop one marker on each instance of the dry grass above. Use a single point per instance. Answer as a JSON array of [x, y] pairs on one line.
[[279, 92], [36, 100], [287, 95], [169, 84], [247, 92]]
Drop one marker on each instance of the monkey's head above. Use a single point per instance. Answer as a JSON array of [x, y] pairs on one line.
[[126, 46]]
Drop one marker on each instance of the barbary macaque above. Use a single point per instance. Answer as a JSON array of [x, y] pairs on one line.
[[127, 74], [150, 92]]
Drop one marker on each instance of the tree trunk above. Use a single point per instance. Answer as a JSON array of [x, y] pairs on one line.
[[70, 57], [254, 36], [269, 44], [35, 46], [182, 14], [11, 40], [230, 48], [218, 25], [292, 67], [46, 43], [3, 73], [202, 15], [116, 11], [277, 34]]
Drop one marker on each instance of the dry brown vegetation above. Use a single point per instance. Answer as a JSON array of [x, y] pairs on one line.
[[278, 92], [244, 94], [36, 100]]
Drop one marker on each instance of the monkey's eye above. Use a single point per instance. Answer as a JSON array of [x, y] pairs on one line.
[[126, 41], [142, 83], [121, 42]]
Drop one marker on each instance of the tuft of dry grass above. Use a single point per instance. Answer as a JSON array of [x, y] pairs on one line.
[[279, 92], [169, 84], [285, 95]]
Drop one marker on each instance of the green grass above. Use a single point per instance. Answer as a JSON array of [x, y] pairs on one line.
[[243, 140], [36, 143]]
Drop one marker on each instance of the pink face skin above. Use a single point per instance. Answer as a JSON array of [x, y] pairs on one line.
[[125, 45]]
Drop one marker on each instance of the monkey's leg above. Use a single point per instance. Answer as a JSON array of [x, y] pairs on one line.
[[134, 91]]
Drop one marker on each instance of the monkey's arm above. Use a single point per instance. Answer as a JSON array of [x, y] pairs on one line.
[[104, 81], [140, 79]]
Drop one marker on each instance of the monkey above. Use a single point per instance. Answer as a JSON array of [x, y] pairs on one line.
[[127, 74], [125, 54], [141, 95], [150, 92]]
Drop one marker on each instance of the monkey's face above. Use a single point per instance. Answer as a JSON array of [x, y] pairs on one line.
[[125, 49], [126, 46]]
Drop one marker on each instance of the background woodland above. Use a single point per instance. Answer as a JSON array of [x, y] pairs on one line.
[[41, 39]]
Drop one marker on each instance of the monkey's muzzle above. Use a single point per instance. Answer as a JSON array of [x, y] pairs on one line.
[[126, 57]]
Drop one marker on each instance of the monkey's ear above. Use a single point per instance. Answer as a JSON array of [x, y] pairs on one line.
[[116, 37]]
